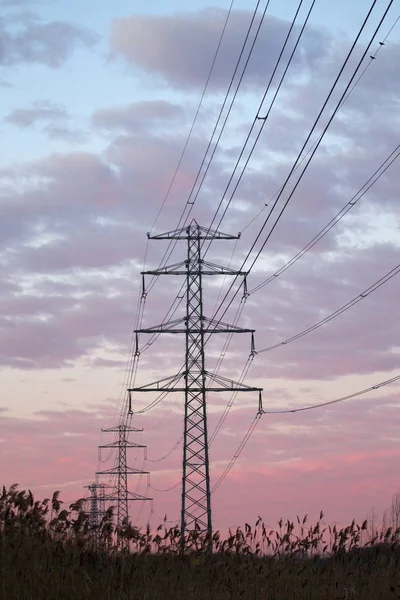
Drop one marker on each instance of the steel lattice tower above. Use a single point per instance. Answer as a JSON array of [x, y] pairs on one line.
[[122, 471], [97, 504], [196, 490]]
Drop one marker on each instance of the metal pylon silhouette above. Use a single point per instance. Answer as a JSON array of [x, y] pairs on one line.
[[97, 504], [121, 469], [197, 381]]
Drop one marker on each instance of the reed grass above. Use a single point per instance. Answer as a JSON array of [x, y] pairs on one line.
[[50, 552]]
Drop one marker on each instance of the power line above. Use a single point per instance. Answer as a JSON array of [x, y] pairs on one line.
[[336, 219], [255, 421], [377, 386], [319, 115], [232, 399], [294, 410], [300, 153], [240, 308], [347, 207], [195, 116], [167, 254], [297, 182], [238, 452], [167, 454], [132, 364], [298, 161], [264, 119], [234, 97], [168, 489], [337, 312], [371, 59], [190, 203]]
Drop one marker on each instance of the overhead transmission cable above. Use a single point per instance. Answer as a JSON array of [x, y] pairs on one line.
[[183, 219], [264, 119], [371, 181], [132, 366], [371, 59], [238, 452], [294, 410], [254, 423], [372, 388], [195, 116], [290, 196], [142, 294], [150, 341], [372, 288], [251, 356], [190, 202], [251, 429], [336, 219], [154, 337], [232, 102], [130, 369], [152, 404], [308, 137], [135, 356]]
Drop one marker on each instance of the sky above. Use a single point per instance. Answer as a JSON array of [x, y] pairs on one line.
[[96, 106]]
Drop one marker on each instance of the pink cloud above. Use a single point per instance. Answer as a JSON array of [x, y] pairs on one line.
[[154, 44]]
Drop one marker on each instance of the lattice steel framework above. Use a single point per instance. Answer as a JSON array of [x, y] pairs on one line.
[[196, 490], [97, 504], [121, 469]]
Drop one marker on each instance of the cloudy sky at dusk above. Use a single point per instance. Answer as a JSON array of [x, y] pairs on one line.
[[96, 106]]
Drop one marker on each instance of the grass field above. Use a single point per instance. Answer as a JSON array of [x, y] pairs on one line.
[[50, 553]]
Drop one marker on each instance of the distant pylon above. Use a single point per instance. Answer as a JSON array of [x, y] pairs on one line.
[[97, 508], [121, 469], [197, 381]]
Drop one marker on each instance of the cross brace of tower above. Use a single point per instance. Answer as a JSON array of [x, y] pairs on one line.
[[196, 380], [121, 469]]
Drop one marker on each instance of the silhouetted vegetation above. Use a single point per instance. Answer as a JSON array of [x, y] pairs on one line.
[[52, 553]]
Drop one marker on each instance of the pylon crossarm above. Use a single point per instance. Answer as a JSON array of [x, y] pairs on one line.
[[213, 269], [167, 270], [203, 233], [221, 327], [169, 327], [129, 471], [121, 428], [131, 496], [118, 445], [158, 386], [224, 382], [230, 384], [212, 326]]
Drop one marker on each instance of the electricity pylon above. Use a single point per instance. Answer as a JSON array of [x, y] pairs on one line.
[[97, 504], [197, 381], [122, 470]]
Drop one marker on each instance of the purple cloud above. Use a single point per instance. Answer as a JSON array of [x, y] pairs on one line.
[[39, 111], [44, 43], [56, 119], [179, 48], [139, 116]]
